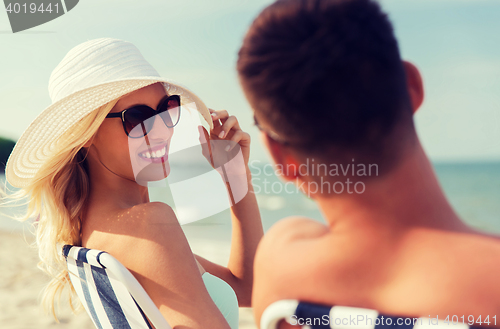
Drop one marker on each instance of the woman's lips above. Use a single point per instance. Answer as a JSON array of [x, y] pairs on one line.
[[156, 154]]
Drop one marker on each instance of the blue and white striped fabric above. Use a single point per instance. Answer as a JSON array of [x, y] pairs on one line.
[[110, 294], [316, 316]]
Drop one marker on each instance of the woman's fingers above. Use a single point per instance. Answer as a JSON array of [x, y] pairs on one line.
[[239, 137], [223, 123], [227, 127], [230, 123], [215, 120], [219, 116]]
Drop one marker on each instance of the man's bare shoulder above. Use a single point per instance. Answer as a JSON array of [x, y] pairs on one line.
[[294, 229], [287, 237], [287, 255], [291, 238]]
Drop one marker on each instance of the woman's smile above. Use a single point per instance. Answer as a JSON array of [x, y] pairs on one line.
[[156, 154]]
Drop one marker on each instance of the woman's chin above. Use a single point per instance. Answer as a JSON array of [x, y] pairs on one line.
[[153, 172]]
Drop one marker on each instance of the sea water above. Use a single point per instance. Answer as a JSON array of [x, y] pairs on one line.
[[472, 188]]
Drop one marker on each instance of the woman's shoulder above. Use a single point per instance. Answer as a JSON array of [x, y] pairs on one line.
[[140, 237], [148, 213], [148, 240], [152, 221]]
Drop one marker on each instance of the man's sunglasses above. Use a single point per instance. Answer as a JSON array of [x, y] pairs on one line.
[[169, 109], [270, 133]]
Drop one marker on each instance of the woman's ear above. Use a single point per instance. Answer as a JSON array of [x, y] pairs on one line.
[[87, 144], [414, 84]]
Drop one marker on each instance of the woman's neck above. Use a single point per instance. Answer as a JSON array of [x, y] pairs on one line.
[[112, 189]]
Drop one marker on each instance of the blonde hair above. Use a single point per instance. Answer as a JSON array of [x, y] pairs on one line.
[[57, 195]]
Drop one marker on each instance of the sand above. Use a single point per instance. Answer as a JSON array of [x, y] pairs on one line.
[[21, 283]]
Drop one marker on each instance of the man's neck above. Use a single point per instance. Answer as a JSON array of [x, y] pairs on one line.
[[408, 196]]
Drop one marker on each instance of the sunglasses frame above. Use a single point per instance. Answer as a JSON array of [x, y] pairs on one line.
[[273, 135], [121, 114]]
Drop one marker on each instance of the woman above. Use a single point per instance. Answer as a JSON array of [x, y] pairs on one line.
[[76, 160]]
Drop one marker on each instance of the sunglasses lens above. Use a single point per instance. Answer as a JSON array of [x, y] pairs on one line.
[[136, 121], [170, 110], [139, 120]]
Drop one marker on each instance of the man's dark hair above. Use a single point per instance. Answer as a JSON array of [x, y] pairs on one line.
[[327, 73]]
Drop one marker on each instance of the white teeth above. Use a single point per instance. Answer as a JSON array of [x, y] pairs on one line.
[[155, 154]]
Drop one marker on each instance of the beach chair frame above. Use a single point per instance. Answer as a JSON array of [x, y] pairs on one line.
[[342, 317], [110, 294]]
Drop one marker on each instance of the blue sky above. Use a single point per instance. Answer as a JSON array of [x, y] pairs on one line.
[[455, 44]]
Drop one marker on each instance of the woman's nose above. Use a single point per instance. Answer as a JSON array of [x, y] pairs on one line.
[[159, 129]]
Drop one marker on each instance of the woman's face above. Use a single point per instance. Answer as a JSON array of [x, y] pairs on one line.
[[141, 159]]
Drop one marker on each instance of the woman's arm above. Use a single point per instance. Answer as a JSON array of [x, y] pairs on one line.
[[246, 234], [245, 216]]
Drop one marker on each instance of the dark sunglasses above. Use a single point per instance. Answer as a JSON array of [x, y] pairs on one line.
[[169, 109]]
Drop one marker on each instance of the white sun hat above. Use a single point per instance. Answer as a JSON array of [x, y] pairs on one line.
[[90, 75]]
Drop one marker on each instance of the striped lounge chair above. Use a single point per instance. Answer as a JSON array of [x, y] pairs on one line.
[[316, 316], [111, 295]]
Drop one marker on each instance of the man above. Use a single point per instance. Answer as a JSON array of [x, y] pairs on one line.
[[330, 92]]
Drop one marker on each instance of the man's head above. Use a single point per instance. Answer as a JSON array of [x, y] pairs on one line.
[[326, 76]]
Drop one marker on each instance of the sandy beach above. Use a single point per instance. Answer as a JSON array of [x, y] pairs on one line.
[[21, 283]]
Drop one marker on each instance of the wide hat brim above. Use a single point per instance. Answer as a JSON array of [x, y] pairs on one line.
[[38, 141]]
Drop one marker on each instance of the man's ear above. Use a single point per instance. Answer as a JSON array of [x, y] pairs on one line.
[[414, 84], [282, 158]]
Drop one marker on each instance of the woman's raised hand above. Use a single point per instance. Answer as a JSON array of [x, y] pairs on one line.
[[226, 127]]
